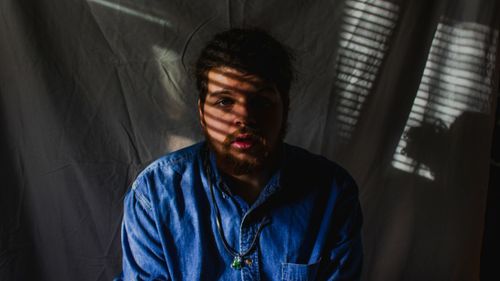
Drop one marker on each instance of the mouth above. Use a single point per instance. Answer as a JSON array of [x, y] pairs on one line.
[[243, 142]]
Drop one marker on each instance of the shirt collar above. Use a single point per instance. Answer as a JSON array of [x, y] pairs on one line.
[[218, 180]]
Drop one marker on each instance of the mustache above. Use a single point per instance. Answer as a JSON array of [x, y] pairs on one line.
[[247, 131]]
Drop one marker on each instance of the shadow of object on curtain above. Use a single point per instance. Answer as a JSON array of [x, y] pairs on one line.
[[433, 224], [433, 138]]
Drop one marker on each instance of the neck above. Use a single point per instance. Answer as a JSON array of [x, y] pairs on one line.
[[249, 184]]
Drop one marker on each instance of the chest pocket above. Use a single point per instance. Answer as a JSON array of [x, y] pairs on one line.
[[299, 272]]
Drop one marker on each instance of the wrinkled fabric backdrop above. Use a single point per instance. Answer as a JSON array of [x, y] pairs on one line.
[[401, 93]]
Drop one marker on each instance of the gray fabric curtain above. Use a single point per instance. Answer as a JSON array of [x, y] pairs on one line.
[[401, 93]]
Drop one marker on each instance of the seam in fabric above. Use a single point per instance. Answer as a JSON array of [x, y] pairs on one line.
[[142, 200]]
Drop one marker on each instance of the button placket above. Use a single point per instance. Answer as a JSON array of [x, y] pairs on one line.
[[254, 267], [250, 271]]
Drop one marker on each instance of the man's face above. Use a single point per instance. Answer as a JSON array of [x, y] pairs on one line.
[[242, 118]]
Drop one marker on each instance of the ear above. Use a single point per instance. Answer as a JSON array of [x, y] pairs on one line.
[[200, 113]]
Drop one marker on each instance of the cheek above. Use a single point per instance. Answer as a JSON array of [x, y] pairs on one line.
[[216, 126], [274, 120]]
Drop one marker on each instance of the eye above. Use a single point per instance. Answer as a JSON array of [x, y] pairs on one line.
[[224, 102]]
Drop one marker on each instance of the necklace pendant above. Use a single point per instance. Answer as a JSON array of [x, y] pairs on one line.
[[237, 263]]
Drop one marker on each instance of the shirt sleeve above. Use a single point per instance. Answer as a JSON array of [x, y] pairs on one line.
[[346, 254], [143, 257]]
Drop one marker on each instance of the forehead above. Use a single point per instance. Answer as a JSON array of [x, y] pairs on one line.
[[232, 80]]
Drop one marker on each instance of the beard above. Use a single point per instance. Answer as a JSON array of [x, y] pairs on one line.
[[250, 160]]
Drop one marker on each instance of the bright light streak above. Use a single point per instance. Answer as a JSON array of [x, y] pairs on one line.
[[131, 12]]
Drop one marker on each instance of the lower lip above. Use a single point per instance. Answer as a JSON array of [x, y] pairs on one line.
[[242, 144]]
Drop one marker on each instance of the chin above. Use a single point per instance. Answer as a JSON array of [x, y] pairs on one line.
[[245, 167], [235, 161], [243, 162]]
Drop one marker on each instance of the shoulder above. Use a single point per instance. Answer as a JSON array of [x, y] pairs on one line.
[[307, 167], [168, 168], [176, 160]]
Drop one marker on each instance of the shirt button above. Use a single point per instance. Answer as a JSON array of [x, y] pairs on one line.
[[249, 262]]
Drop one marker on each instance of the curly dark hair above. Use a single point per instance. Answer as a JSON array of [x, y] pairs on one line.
[[250, 51]]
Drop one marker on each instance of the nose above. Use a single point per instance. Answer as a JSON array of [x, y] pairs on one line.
[[244, 115]]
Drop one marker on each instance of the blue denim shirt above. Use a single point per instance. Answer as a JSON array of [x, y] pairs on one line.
[[169, 227]]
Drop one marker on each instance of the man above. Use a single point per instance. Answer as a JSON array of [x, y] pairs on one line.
[[242, 205]]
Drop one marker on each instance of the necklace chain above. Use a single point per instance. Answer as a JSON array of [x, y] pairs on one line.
[[237, 256]]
